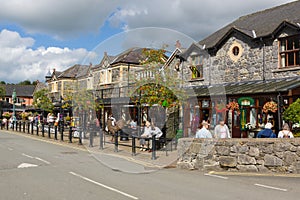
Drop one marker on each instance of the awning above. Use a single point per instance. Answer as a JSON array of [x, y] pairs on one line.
[[250, 87]]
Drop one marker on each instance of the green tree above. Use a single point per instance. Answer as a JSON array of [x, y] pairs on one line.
[[26, 82], [2, 92], [42, 101], [292, 113], [84, 100], [162, 87]]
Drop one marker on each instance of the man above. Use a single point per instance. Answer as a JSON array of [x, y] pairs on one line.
[[267, 132], [203, 132]]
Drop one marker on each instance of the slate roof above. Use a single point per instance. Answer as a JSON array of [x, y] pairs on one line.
[[249, 87], [131, 56], [74, 71], [21, 90], [264, 23]]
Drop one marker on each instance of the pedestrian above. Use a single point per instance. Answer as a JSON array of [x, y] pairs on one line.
[[222, 130], [149, 130], [285, 132], [267, 132], [203, 132]]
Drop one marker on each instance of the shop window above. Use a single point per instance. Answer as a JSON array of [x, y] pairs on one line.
[[289, 51]]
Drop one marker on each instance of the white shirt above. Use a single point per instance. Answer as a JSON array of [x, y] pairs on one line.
[[285, 133], [203, 133]]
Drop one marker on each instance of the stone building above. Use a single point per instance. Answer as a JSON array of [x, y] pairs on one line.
[[252, 61]]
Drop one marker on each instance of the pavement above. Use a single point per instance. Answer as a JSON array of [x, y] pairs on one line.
[[120, 159]]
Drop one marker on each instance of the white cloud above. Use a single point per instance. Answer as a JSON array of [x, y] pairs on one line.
[[20, 62], [191, 17], [69, 18], [59, 18]]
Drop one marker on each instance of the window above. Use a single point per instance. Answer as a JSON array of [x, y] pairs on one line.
[[197, 71], [235, 51], [196, 67], [289, 51]]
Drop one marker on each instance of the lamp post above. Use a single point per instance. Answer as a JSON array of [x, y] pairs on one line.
[[14, 98], [61, 118]]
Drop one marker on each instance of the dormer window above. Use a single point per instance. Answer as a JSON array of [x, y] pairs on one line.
[[196, 66], [289, 51]]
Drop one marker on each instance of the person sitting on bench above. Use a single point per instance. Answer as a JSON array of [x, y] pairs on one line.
[[149, 131]]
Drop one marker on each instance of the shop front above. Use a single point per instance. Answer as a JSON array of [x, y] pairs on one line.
[[247, 106]]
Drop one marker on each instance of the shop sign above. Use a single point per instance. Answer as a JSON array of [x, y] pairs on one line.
[[246, 101]]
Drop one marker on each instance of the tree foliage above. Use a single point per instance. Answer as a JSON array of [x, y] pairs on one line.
[[42, 101], [85, 100], [160, 86], [2, 92], [292, 113]]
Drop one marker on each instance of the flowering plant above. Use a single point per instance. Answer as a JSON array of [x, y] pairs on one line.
[[270, 106], [24, 115], [233, 106], [7, 114], [249, 126], [220, 107]]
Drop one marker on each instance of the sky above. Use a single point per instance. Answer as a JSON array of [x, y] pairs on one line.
[[39, 36]]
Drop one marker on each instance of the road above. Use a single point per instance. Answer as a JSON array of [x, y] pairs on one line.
[[33, 169]]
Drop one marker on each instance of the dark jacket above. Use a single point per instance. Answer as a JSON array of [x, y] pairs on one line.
[[266, 133]]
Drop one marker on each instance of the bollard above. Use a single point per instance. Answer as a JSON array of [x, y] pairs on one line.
[[20, 127], [91, 137], [80, 137], [31, 128], [101, 139], [24, 124], [13, 124], [37, 129], [55, 133], [61, 130], [133, 145], [153, 157], [28, 127], [49, 130], [43, 129], [116, 141], [7, 125], [70, 134]]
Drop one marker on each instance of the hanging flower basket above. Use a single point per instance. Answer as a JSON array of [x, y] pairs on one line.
[[270, 106], [7, 115], [220, 107], [233, 106]]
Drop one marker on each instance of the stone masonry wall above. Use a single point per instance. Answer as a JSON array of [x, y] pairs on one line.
[[240, 155]]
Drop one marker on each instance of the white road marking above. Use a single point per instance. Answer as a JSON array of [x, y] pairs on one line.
[[11, 149], [27, 155], [45, 161], [26, 165], [37, 158], [102, 185], [271, 187], [216, 176]]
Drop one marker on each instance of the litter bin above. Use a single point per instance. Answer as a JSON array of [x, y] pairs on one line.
[[179, 134]]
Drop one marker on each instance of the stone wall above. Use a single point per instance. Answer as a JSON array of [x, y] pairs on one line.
[[240, 155]]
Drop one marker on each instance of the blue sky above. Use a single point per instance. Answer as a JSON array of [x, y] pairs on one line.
[[38, 36]]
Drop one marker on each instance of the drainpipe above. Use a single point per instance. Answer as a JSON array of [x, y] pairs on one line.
[[263, 71], [279, 100]]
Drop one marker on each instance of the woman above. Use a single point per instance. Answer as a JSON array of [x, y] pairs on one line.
[[222, 130], [285, 132]]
